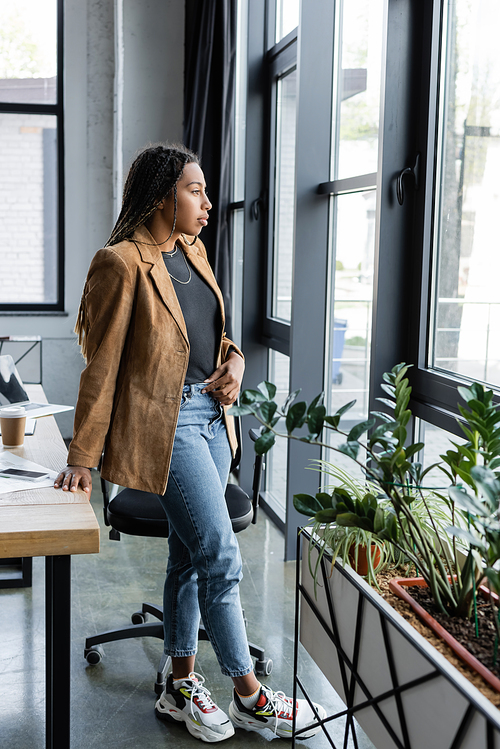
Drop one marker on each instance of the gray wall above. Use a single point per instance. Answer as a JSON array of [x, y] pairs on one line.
[[123, 89], [153, 73]]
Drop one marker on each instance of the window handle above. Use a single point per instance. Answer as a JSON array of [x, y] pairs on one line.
[[258, 206], [409, 170]]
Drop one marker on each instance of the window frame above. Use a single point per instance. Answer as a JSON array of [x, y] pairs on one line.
[[434, 396], [279, 60], [401, 304], [56, 110]]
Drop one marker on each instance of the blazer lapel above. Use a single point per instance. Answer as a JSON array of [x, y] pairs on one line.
[[151, 253]]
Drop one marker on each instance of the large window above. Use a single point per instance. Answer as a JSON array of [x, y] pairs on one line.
[[31, 217], [457, 203], [379, 127], [355, 132], [236, 208], [465, 332], [281, 71], [275, 209]]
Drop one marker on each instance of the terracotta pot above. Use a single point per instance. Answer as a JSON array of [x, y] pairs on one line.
[[362, 566], [398, 584]]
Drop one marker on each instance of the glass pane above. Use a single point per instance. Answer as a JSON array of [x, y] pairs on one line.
[[28, 51], [437, 442], [351, 314], [359, 87], [287, 17], [28, 209], [240, 103], [284, 196], [237, 286], [466, 323], [277, 458]]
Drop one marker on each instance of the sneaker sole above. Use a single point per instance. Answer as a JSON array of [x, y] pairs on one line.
[[204, 733], [257, 726]]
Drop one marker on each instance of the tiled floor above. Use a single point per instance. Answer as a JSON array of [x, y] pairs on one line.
[[112, 703]]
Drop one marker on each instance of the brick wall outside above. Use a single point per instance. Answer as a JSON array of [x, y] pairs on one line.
[[21, 207]]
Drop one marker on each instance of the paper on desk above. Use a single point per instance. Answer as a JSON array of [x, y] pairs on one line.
[[9, 460], [35, 410]]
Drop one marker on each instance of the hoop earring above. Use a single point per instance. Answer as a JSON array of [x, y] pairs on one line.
[[189, 244]]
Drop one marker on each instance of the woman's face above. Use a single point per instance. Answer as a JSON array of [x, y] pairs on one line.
[[192, 202]]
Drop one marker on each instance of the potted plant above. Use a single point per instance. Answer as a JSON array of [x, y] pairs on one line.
[[355, 546], [349, 543], [452, 558]]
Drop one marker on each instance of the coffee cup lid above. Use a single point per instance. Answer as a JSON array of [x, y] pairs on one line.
[[12, 412]]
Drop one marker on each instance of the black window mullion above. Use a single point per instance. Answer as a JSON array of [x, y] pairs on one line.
[[276, 335], [349, 184], [398, 241], [23, 108], [278, 49]]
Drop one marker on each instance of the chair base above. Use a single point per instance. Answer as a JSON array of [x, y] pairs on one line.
[[142, 628]]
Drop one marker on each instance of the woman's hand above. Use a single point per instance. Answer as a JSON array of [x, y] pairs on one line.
[[74, 477], [225, 383]]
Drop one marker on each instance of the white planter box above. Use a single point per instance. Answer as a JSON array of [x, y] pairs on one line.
[[400, 689]]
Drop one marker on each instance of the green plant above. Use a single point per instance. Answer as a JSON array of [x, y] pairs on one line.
[[342, 541], [333, 533], [379, 446], [476, 464]]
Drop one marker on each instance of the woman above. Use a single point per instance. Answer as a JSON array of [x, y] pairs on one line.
[[160, 373]]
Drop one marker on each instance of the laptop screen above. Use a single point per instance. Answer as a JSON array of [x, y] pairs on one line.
[[11, 385]]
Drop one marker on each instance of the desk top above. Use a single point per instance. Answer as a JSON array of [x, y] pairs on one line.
[[46, 521]]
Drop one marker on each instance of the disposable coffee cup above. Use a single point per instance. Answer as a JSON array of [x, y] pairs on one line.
[[13, 424]]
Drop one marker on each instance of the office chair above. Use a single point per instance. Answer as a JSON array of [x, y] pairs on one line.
[[140, 514]]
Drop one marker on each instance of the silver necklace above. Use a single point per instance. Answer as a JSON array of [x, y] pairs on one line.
[[171, 254]]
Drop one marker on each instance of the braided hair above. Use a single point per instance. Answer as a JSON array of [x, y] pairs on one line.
[[153, 176]]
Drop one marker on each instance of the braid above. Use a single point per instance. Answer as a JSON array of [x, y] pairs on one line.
[[152, 177]]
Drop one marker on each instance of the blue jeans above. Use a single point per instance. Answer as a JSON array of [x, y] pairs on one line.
[[204, 563]]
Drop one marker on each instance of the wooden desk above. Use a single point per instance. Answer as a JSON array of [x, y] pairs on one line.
[[54, 524]]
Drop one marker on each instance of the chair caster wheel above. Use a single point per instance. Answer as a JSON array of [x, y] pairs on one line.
[[138, 617], [94, 655], [264, 668]]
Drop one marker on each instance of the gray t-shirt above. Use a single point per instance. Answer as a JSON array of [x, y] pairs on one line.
[[201, 312]]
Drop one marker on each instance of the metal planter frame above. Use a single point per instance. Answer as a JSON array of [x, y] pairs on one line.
[[393, 682]]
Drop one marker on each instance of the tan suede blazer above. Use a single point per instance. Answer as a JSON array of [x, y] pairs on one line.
[[135, 342]]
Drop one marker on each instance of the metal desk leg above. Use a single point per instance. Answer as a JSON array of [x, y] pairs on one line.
[[57, 650]]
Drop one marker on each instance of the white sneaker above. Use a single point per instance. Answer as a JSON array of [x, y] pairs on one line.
[[193, 705], [274, 710]]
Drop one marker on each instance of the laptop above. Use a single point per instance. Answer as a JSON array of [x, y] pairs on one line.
[[12, 393]]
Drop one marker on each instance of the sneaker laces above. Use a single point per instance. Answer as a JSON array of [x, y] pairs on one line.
[[280, 703], [205, 702]]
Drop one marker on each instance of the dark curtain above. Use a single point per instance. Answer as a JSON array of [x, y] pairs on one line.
[[210, 60]]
